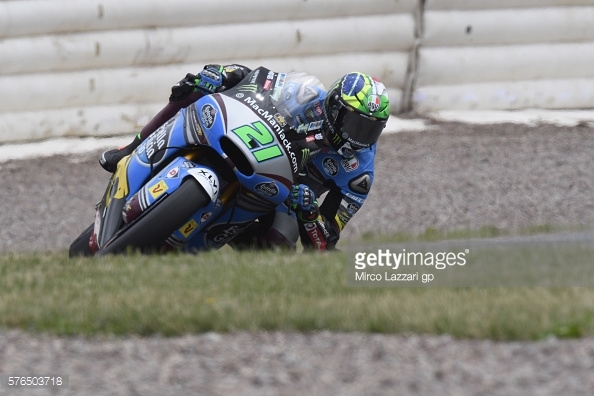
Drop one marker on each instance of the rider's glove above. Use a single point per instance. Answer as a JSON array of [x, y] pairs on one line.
[[302, 202], [207, 81], [210, 79]]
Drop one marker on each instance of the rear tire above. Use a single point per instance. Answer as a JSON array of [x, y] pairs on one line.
[[153, 228], [80, 246]]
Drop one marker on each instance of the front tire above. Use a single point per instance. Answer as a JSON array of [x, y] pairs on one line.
[[153, 228]]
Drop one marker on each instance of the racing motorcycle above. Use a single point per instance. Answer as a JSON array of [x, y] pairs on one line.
[[201, 178]]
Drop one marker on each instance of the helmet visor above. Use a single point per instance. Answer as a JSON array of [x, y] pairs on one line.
[[360, 130]]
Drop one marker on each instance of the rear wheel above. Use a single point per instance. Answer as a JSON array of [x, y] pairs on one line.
[[153, 228], [80, 246]]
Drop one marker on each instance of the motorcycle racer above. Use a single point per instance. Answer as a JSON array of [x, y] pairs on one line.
[[336, 135]]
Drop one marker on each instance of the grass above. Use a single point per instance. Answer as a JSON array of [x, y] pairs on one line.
[[229, 291]]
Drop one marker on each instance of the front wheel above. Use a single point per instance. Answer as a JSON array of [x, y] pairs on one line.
[[152, 229]]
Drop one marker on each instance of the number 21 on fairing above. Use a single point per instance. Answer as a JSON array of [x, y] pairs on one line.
[[259, 140]]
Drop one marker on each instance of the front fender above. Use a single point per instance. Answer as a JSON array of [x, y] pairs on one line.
[[208, 180]]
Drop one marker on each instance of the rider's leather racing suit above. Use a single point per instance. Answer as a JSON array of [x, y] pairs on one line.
[[345, 181]]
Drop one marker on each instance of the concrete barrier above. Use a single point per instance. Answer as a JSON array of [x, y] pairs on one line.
[[466, 65], [187, 45], [508, 26], [574, 93], [500, 4], [103, 67], [505, 55], [38, 17]]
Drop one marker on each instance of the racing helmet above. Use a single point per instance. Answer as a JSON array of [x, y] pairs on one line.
[[357, 109]]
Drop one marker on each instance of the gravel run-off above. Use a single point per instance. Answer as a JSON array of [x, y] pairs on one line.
[[452, 176]]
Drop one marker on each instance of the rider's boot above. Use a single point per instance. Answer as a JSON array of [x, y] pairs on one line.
[[110, 158]]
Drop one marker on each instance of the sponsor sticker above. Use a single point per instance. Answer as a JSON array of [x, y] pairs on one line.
[[280, 119], [373, 103], [318, 108], [350, 164], [188, 228], [355, 198], [314, 235], [330, 166], [205, 216], [315, 125], [158, 189], [352, 208], [254, 76], [208, 115], [270, 189], [278, 87], [224, 235], [174, 172]]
